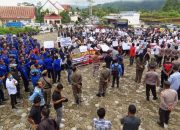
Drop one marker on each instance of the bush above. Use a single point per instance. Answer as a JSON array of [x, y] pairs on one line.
[[16, 31]]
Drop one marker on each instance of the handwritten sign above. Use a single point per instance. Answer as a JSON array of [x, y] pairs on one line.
[[66, 41]]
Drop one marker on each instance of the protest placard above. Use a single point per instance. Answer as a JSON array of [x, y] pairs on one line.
[[115, 43], [48, 44], [104, 47], [125, 46], [65, 41], [83, 48]]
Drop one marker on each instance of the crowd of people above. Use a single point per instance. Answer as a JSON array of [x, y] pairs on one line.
[[23, 60]]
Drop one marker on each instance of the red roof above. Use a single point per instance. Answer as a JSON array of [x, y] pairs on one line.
[[17, 12], [52, 16]]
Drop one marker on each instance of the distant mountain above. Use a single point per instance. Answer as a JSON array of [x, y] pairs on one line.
[[134, 5]]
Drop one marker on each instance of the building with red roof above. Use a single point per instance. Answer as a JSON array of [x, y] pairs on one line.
[[52, 19], [17, 13]]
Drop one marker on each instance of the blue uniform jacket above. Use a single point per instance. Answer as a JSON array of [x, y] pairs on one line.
[[57, 65], [48, 63]]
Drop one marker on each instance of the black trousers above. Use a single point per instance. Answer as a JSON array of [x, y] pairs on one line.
[[115, 78], [57, 76], [13, 100], [50, 74], [151, 88], [164, 116], [18, 91], [164, 77], [1, 95], [26, 84], [131, 59], [178, 91]]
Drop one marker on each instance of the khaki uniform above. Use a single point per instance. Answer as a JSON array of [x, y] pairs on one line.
[[47, 89], [140, 65], [103, 82], [76, 80]]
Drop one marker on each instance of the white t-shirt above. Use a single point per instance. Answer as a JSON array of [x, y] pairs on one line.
[[11, 87]]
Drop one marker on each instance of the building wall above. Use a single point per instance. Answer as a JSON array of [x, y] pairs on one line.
[[132, 20]]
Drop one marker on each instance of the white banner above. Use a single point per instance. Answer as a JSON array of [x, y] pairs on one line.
[[125, 46], [48, 44], [115, 43], [65, 41]]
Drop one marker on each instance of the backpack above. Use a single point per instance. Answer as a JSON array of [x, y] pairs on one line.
[[115, 70]]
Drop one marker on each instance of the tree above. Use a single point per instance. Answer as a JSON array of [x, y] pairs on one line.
[[65, 17], [171, 5]]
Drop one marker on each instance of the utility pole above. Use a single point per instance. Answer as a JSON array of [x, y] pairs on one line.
[[90, 7]]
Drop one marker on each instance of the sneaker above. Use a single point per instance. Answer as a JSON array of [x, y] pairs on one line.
[[61, 125], [147, 99], [165, 126], [62, 120], [160, 124]]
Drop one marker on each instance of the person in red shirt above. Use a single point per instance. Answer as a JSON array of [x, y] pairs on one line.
[[167, 69], [132, 54]]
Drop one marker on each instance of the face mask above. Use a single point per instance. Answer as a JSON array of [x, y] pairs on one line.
[[11, 77]]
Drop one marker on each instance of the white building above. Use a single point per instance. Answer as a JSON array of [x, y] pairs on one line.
[[132, 17]]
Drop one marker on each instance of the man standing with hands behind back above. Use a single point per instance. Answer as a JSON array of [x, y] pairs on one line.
[[168, 100]]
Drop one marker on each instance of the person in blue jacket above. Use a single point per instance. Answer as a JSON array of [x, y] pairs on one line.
[[48, 66], [116, 71], [24, 74], [57, 68], [35, 74], [3, 71]]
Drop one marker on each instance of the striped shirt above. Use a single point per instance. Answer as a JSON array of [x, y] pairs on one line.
[[101, 124]]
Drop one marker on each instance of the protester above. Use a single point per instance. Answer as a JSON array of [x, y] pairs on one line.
[[108, 60], [76, 80], [168, 101], [96, 64], [116, 72], [131, 122], [151, 80], [69, 68], [2, 99], [57, 69], [47, 83], [101, 123], [174, 80], [12, 90], [47, 123], [34, 117], [103, 81], [140, 65], [132, 54], [48, 61], [167, 69], [38, 91], [58, 99]]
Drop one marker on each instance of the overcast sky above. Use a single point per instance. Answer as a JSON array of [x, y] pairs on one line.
[[78, 2]]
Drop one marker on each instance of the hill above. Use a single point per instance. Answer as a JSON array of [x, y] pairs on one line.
[[134, 5]]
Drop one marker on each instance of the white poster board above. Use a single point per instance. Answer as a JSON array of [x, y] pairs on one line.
[[83, 48], [48, 44], [104, 47], [125, 46], [115, 43], [65, 41]]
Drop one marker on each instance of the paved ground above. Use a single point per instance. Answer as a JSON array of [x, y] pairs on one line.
[[80, 117]]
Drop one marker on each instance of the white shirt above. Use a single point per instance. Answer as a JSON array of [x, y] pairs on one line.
[[11, 87]]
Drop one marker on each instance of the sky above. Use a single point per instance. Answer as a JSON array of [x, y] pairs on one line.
[[76, 2]]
